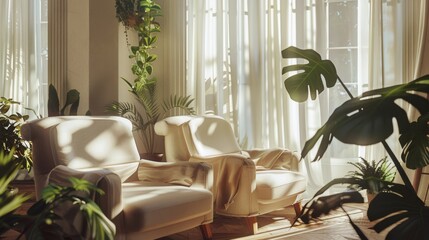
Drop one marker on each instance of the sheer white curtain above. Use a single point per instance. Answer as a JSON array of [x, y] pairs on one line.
[[23, 54], [397, 39], [234, 63], [234, 66]]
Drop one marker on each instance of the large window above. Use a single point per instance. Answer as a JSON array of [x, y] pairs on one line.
[[24, 53], [347, 46]]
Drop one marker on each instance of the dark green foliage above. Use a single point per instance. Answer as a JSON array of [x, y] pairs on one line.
[[42, 219], [72, 100], [400, 204], [10, 134], [9, 200]]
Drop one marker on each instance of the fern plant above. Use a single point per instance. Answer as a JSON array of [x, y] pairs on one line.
[[141, 15], [373, 176]]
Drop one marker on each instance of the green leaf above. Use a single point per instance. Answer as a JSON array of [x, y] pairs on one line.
[[84, 185], [37, 208], [53, 102], [51, 192], [149, 69], [151, 58], [415, 144], [73, 97], [74, 107], [400, 204], [368, 119], [134, 49], [178, 103], [308, 80]]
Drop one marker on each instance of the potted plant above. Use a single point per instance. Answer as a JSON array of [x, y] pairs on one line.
[[10, 132], [367, 120], [143, 14], [372, 176]]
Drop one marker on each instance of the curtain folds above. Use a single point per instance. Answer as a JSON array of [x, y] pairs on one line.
[[21, 49], [234, 66]]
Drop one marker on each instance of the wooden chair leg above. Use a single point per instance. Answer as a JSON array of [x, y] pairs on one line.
[[206, 231], [252, 224], [297, 207]]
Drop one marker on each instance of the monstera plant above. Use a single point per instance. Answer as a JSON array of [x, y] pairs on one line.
[[366, 120]]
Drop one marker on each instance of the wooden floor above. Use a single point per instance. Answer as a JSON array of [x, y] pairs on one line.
[[276, 225]]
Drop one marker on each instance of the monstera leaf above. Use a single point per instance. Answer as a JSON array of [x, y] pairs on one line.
[[400, 206], [415, 144], [308, 80], [367, 120]]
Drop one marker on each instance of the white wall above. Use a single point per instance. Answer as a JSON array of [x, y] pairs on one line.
[[78, 50], [93, 53]]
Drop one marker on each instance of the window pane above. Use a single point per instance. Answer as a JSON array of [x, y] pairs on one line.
[[343, 24], [345, 61]]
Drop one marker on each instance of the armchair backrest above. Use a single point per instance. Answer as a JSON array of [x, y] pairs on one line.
[[187, 136], [209, 136], [81, 142], [93, 142]]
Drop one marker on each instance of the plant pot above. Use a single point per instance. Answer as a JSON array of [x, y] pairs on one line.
[[157, 157]]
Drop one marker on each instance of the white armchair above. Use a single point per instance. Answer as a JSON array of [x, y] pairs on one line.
[[246, 183], [144, 199]]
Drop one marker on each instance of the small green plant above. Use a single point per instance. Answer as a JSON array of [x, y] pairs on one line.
[[72, 100], [41, 219], [10, 134], [373, 176], [9, 201]]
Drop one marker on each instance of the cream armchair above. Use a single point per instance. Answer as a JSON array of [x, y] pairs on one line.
[[144, 199], [246, 183]]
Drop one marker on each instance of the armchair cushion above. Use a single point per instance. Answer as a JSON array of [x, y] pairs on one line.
[[272, 185], [150, 205]]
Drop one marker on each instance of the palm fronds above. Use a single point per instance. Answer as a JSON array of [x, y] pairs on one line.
[[178, 102]]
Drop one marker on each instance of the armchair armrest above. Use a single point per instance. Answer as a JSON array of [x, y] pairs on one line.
[[234, 173], [276, 158], [190, 174], [110, 202]]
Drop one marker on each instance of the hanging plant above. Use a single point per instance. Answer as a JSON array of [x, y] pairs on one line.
[[128, 12], [140, 16]]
